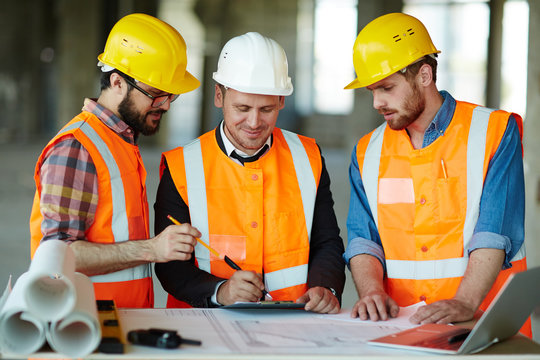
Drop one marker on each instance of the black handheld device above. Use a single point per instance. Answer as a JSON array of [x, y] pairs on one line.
[[160, 338]]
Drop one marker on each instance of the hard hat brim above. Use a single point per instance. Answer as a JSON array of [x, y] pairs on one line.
[[189, 83], [355, 84], [178, 86]]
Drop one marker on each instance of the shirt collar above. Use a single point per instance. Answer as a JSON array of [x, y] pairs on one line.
[[229, 147], [442, 119], [110, 120]]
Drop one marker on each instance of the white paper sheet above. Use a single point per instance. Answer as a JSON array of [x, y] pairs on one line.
[[401, 321], [6, 293], [79, 333], [20, 331], [50, 290], [257, 332]]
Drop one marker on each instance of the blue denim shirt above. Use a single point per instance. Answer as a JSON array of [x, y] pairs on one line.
[[500, 223]]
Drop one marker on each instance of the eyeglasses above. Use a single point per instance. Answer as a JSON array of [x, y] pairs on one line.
[[157, 101]]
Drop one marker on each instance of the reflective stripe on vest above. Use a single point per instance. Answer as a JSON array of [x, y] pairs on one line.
[[120, 227], [196, 189], [281, 279], [444, 268], [119, 224], [370, 170], [135, 273], [304, 174]]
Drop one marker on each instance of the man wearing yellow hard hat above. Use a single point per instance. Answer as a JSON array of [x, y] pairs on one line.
[[90, 178], [437, 191], [259, 195]]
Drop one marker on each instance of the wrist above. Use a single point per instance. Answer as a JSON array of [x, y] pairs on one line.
[[332, 291]]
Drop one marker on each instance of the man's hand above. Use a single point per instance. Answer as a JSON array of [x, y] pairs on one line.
[[374, 303], [443, 312], [242, 286], [176, 242], [482, 270], [375, 306], [321, 300]]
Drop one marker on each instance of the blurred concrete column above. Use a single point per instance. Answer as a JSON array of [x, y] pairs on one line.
[[364, 118], [531, 143], [182, 123], [27, 39], [494, 57], [79, 42]]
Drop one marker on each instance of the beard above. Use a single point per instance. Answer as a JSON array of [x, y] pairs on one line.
[[413, 107], [135, 119]]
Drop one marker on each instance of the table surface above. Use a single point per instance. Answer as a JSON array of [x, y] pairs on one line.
[[276, 334]]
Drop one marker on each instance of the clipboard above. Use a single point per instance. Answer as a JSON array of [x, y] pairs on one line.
[[266, 305]]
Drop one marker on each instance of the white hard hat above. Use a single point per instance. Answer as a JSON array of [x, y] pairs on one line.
[[254, 64]]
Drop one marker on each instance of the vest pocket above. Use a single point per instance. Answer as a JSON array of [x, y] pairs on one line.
[[448, 199], [234, 246]]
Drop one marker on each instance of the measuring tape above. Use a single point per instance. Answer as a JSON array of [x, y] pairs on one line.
[[112, 340]]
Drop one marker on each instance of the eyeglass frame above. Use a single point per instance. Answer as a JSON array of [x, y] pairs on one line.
[[170, 97]]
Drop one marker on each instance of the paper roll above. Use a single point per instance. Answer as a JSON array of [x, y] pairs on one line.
[[20, 331], [79, 333], [50, 292]]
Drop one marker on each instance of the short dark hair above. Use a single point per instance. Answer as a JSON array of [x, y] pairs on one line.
[[412, 70], [105, 81]]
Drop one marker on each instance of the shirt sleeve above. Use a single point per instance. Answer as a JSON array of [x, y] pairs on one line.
[[326, 265], [501, 219], [69, 191], [182, 279], [363, 236]]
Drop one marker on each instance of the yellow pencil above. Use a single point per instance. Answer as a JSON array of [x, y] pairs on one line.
[[176, 222], [228, 260], [443, 166]]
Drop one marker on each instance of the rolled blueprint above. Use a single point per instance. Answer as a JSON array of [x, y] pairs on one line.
[[50, 291], [78, 334], [21, 332]]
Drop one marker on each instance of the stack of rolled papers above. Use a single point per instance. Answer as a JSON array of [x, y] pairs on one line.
[[50, 302]]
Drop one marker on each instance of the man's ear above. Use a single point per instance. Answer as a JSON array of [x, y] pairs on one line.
[[425, 75], [281, 102], [118, 85], [218, 97]]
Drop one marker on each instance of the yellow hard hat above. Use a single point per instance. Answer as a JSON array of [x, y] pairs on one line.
[[151, 51], [386, 45]]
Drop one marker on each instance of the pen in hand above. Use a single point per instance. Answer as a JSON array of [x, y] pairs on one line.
[[233, 265], [227, 259]]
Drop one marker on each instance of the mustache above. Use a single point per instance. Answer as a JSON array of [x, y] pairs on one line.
[[382, 111], [159, 111]]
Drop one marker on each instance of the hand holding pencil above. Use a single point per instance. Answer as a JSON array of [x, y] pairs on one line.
[[227, 259], [173, 243]]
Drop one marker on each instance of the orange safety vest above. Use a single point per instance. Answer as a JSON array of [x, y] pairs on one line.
[[122, 210], [426, 202], [260, 214]]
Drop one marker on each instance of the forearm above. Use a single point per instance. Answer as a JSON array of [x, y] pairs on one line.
[[176, 242], [326, 264], [98, 259], [482, 270], [368, 274]]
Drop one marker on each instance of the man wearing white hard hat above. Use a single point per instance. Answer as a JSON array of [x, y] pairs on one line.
[[437, 193], [259, 195], [90, 178]]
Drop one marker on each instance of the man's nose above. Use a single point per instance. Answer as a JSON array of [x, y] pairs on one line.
[[377, 101], [253, 119]]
